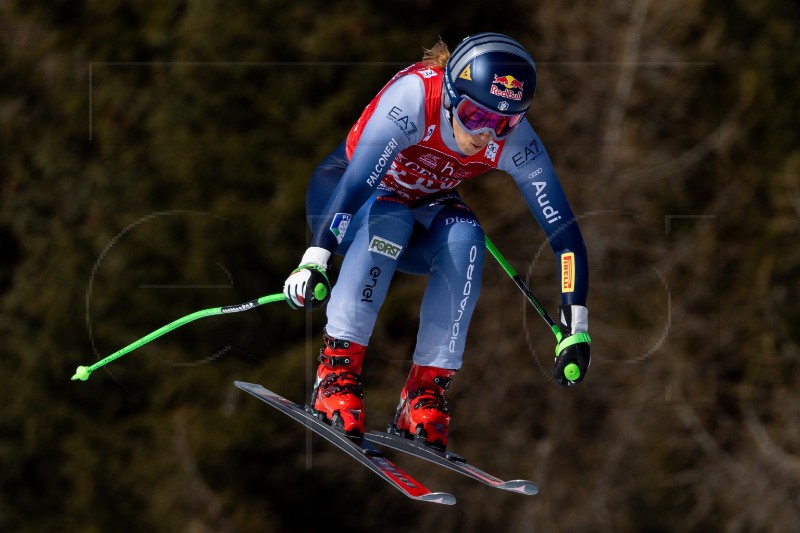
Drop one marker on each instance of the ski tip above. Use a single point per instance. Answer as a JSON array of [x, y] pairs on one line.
[[439, 497], [521, 486]]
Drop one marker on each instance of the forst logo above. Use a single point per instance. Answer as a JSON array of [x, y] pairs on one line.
[[511, 87], [385, 247]]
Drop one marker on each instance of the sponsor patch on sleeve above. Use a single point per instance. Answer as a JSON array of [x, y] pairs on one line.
[[339, 225], [568, 272]]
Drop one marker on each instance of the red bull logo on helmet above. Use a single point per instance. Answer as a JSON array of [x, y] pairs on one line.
[[507, 87]]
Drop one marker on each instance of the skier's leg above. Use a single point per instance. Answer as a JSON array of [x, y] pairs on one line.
[[453, 247], [356, 298], [367, 269]]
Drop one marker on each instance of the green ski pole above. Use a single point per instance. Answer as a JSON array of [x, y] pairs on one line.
[[571, 371], [83, 372]]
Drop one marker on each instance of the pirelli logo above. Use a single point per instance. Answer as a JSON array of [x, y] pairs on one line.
[[568, 272], [385, 247]]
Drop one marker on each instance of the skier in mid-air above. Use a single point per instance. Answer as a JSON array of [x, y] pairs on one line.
[[385, 200]]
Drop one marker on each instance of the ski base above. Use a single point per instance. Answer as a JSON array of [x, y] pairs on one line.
[[449, 460], [360, 449]]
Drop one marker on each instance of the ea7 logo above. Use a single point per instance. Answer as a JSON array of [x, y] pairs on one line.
[[382, 246], [402, 120]]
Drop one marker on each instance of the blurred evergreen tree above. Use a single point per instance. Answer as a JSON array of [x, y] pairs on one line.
[[154, 159]]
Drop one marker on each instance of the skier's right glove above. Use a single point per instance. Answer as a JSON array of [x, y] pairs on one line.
[[572, 353], [308, 283]]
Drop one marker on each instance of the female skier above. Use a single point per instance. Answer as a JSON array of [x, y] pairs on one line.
[[385, 200]]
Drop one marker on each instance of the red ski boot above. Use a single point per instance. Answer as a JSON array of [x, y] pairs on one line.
[[422, 413], [337, 396]]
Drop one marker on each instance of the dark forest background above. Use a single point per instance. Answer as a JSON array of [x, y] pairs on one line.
[[153, 162]]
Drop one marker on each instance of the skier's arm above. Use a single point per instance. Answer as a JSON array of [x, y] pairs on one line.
[[394, 125], [525, 158]]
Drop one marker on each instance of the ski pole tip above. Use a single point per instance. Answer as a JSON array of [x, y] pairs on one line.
[[572, 372], [82, 373]]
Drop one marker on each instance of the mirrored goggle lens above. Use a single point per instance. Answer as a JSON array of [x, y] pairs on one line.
[[476, 118]]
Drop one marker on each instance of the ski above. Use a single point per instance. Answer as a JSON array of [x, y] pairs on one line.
[[361, 450], [449, 460]]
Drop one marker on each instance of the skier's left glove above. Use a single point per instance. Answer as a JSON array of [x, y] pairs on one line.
[[572, 353], [308, 283]]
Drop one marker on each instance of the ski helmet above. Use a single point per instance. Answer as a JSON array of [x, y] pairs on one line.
[[495, 72]]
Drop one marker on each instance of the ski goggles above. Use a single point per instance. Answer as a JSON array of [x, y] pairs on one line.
[[476, 119]]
